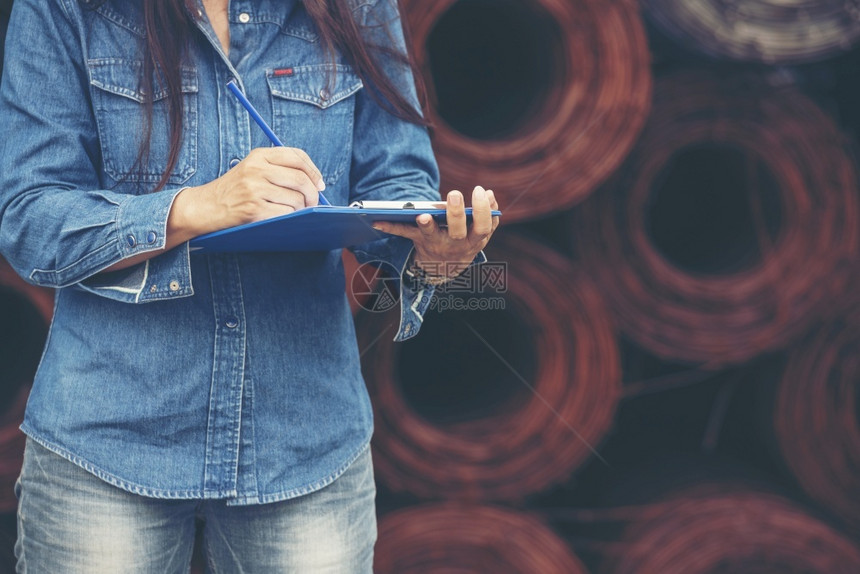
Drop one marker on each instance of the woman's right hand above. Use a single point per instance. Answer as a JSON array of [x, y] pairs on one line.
[[269, 182]]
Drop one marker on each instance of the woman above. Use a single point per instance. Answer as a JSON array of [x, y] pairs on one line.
[[226, 387]]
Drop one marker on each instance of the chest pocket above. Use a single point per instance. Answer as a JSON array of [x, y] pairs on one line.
[[118, 102], [313, 109]]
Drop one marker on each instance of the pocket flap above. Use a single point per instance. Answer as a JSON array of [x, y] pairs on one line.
[[122, 77], [321, 85]]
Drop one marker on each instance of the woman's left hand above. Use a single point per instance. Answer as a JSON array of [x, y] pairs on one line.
[[444, 253]]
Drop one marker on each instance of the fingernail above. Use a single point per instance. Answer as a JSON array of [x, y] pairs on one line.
[[377, 227], [321, 185], [491, 194], [424, 219], [479, 193], [455, 198]]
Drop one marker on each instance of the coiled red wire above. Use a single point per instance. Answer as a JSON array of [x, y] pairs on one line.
[[454, 538], [523, 446], [580, 128], [728, 317], [725, 528], [771, 31], [42, 299], [816, 420]]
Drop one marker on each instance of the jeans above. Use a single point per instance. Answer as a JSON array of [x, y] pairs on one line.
[[70, 521]]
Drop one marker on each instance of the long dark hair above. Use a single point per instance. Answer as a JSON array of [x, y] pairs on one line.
[[170, 23]]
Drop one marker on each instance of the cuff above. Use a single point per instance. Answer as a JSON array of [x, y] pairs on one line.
[[141, 227], [416, 296]]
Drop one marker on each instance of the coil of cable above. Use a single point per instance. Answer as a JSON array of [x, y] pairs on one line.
[[727, 528], [453, 538], [41, 299], [769, 31], [816, 420], [524, 394], [12, 446], [539, 100], [717, 273]]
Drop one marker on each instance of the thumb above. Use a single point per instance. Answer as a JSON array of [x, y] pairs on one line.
[[426, 224]]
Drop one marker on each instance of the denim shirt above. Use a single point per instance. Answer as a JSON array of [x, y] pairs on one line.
[[192, 376]]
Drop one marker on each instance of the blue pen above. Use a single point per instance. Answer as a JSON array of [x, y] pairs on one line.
[[261, 122]]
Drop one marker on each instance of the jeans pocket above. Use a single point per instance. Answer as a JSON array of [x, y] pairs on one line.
[[313, 110], [119, 106]]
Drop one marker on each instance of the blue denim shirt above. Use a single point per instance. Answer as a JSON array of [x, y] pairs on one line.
[[189, 376]]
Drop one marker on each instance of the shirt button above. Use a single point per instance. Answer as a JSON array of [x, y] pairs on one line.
[[231, 322], [151, 237], [174, 285], [234, 162], [324, 94], [244, 17], [130, 240]]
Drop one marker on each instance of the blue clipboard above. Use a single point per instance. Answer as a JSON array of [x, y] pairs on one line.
[[320, 228]]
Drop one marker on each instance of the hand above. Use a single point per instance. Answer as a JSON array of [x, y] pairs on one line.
[[445, 253], [269, 182]]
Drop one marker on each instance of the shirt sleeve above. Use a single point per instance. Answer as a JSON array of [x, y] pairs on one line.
[[57, 226], [392, 159], [416, 297]]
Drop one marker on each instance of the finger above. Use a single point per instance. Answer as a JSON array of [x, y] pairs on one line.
[[296, 159], [401, 229], [269, 210], [426, 224], [456, 215], [494, 205], [482, 219], [283, 197], [294, 179]]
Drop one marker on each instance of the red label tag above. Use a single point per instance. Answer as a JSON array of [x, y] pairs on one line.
[[283, 72]]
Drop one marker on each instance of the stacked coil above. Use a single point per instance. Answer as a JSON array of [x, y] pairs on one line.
[[816, 420], [769, 31], [801, 202], [452, 538], [565, 371], [725, 529], [560, 91]]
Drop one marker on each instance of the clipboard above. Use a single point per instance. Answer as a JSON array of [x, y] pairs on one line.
[[320, 228]]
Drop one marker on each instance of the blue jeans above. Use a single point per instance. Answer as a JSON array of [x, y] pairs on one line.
[[73, 522]]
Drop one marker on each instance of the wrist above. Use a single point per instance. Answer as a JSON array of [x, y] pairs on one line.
[[428, 273], [186, 217]]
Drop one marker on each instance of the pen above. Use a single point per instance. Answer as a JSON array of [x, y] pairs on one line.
[[231, 85]]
